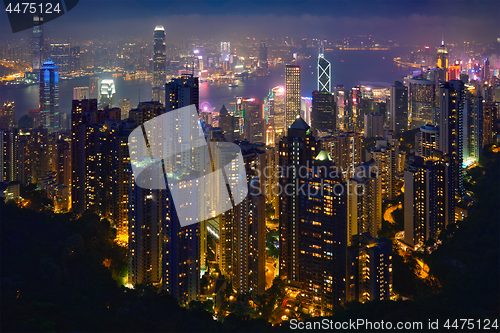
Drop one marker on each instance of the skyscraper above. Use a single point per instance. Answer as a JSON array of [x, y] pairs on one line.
[[386, 157], [225, 51], [345, 150], [7, 115], [374, 125], [427, 141], [324, 112], [263, 55], [398, 112], [454, 70], [107, 94], [429, 204], [451, 141], [49, 97], [312, 221], [421, 97], [442, 63], [38, 43], [278, 108], [159, 63], [292, 94], [60, 55], [324, 72], [364, 201], [295, 149], [473, 126], [182, 91]]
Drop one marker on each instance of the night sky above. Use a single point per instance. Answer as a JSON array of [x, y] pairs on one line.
[[417, 21]]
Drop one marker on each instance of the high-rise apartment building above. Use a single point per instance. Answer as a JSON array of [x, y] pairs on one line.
[[473, 126], [427, 141], [369, 269], [398, 111], [324, 112], [159, 63], [254, 121], [8, 115], [421, 97], [9, 141], [292, 94], [364, 201], [386, 157], [429, 204], [345, 150], [49, 97], [374, 125], [81, 93], [182, 91], [452, 98]]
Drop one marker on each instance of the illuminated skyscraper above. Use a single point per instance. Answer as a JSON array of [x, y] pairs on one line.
[[324, 72], [60, 55], [427, 141], [398, 111], [263, 55], [49, 97], [429, 204], [421, 97], [107, 93], [451, 140], [324, 112], [442, 64], [442, 57], [7, 115], [386, 157], [292, 94], [364, 201], [345, 150], [278, 108], [225, 51], [9, 140], [473, 126], [38, 43], [159, 63], [182, 91], [374, 125], [454, 70], [255, 124], [295, 149]]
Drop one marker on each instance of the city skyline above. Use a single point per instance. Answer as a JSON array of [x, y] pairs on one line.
[[206, 174]]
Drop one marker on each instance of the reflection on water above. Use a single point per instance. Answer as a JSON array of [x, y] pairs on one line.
[[348, 68]]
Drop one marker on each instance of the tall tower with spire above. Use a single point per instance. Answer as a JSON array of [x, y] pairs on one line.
[[324, 71]]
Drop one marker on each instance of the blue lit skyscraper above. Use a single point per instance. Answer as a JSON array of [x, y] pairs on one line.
[[324, 71], [49, 96]]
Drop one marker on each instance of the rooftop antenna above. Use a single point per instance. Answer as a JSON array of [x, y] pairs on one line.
[[442, 39]]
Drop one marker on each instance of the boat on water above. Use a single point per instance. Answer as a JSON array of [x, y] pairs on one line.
[[233, 85]]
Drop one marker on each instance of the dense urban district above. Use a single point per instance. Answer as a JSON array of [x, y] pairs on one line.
[[375, 202]]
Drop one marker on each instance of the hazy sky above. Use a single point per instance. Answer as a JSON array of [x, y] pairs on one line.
[[417, 21]]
